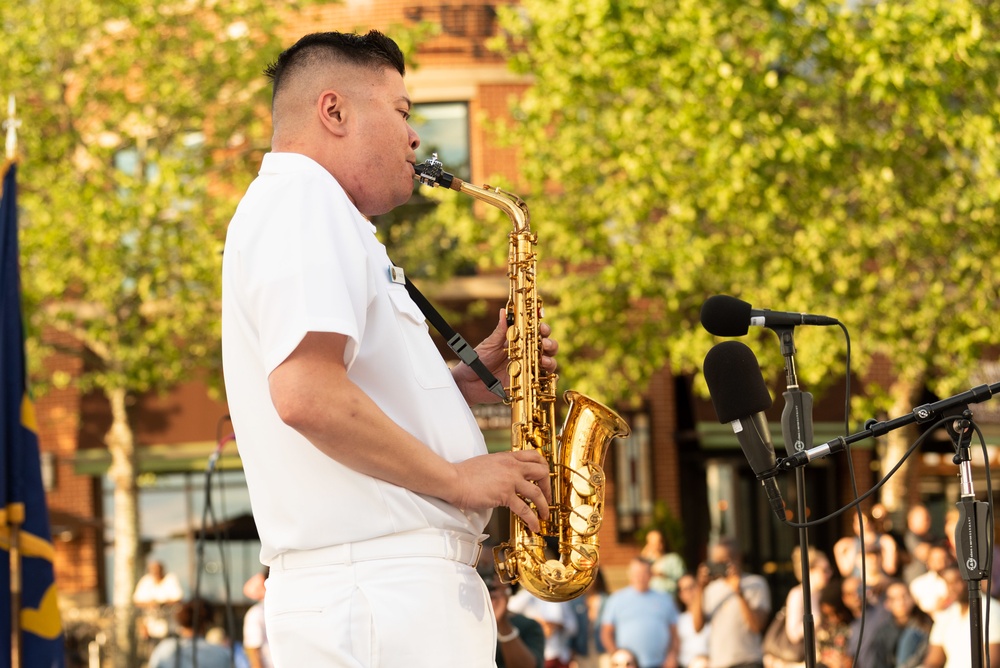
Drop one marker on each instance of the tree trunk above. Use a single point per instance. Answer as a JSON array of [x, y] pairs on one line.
[[121, 445], [905, 397]]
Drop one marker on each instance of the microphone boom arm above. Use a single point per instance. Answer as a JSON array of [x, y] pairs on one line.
[[920, 414]]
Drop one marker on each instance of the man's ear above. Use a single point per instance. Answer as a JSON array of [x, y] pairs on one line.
[[332, 108]]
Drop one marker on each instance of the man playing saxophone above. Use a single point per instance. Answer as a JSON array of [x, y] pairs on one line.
[[368, 476]]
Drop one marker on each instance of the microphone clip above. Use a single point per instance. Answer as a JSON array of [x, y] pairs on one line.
[[771, 472]]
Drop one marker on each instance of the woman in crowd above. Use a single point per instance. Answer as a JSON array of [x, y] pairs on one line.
[[694, 644], [820, 572], [668, 566]]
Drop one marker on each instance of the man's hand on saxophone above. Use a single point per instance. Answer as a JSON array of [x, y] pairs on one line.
[[512, 479], [493, 353]]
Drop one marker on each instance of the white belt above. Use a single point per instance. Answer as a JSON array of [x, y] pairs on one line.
[[460, 547]]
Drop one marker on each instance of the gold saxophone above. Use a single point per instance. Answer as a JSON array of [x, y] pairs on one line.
[[561, 568]]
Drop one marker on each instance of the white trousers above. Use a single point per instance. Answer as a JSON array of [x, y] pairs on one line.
[[409, 600]]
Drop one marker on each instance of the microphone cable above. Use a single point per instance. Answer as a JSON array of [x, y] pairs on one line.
[[221, 535]]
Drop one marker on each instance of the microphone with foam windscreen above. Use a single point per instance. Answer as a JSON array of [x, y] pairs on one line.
[[740, 398], [723, 315]]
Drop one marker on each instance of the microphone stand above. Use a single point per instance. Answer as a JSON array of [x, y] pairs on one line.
[[797, 432], [971, 539]]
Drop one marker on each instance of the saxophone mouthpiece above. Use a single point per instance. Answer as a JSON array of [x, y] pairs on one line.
[[431, 173]]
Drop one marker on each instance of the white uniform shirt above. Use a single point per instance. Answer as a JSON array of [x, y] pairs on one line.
[[300, 257], [951, 631]]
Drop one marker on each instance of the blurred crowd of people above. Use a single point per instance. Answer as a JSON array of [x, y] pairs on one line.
[[176, 633], [914, 599], [914, 605]]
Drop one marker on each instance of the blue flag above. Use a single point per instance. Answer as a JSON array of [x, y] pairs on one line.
[[21, 493]]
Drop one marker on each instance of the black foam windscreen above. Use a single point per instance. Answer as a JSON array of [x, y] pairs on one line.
[[735, 381], [723, 315]]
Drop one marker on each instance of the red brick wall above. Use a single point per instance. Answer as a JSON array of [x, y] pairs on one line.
[[494, 103], [75, 532]]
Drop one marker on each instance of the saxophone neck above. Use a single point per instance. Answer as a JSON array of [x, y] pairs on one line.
[[510, 204], [431, 173]]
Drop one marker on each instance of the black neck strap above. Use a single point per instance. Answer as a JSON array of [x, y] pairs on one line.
[[456, 342]]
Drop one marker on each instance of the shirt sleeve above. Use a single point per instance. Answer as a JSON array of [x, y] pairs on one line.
[[253, 627], [311, 273], [757, 594]]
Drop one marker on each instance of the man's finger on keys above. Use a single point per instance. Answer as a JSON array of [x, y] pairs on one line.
[[531, 494], [523, 510]]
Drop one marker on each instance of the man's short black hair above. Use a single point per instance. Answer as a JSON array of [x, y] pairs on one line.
[[373, 50]]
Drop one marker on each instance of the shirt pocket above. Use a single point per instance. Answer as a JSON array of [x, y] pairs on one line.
[[429, 368]]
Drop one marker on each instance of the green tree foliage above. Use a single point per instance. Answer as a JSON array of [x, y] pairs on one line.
[[828, 157], [139, 120], [838, 158]]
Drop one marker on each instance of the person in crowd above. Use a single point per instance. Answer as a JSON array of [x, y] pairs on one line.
[[217, 635], [156, 595], [847, 550], [668, 566], [520, 639], [558, 623], [693, 644], [339, 397], [930, 591], [951, 519], [737, 604], [901, 641], [820, 573], [255, 645], [862, 630], [918, 539], [193, 618], [641, 619], [588, 650], [950, 639], [884, 524], [833, 629], [623, 658]]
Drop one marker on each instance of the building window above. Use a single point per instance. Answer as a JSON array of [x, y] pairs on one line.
[[444, 129], [414, 238], [633, 478]]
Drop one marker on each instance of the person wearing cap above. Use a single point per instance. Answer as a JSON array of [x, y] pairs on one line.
[[520, 639]]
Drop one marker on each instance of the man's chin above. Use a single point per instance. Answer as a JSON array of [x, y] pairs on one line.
[[386, 207]]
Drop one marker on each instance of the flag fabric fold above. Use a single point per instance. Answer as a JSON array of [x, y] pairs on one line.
[[24, 519]]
